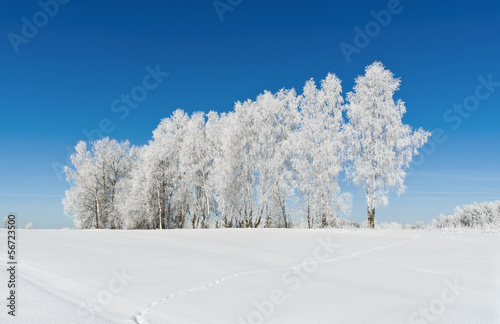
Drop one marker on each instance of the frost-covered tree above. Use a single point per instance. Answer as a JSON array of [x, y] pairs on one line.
[[276, 120], [213, 135], [135, 202], [252, 172], [484, 215], [239, 163], [82, 201], [230, 164], [319, 147], [167, 182], [380, 147], [95, 182], [196, 163]]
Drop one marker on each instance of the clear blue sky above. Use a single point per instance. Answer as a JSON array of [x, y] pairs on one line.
[[63, 80]]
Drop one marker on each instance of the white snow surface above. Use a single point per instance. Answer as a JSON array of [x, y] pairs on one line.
[[226, 276]]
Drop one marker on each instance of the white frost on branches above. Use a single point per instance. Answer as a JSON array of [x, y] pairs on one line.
[[380, 147], [274, 161]]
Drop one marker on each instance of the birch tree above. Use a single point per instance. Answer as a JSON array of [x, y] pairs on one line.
[[95, 182], [229, 161], [319, 148], [196, 164], [167, 178], [380, 147], [276, 120]]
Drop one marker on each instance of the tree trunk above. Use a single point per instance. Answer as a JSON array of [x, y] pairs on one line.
[[160, 210], [104, 220], [182, 219], [308, 215], [268, 219], [169, 214], [371, 217], [259, 217], [224, 219], [96, 210]]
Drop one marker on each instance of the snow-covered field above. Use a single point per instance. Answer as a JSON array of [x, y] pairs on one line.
[[255, 276]]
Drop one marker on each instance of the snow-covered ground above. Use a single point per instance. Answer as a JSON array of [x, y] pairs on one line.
[[254, 276]]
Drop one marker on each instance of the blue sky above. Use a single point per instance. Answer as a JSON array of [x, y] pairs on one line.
[[62, 81]]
